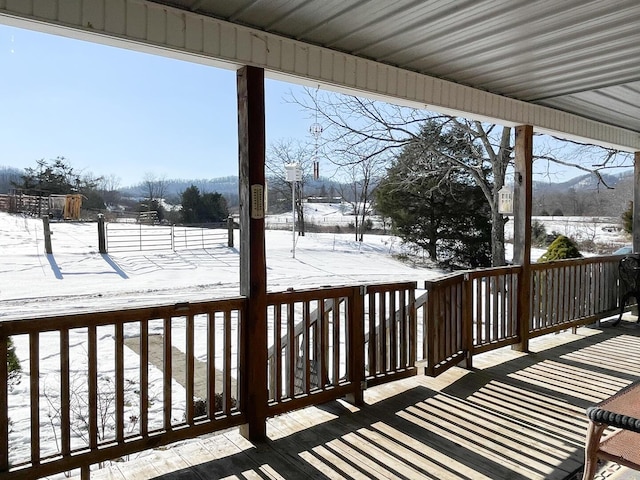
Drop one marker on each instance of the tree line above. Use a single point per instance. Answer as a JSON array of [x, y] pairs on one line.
[[58, 177]]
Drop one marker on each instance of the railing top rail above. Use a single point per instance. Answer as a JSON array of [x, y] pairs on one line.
[[493, 271], [384, 287], [307, 294], [576, 261], [98, 318], [445, 280]]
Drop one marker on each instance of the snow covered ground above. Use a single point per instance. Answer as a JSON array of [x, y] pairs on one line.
[[77, 277]]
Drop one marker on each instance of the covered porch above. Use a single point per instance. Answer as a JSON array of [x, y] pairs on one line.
[[280, 363]]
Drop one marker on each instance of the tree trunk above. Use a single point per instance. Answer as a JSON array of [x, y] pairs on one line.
[[497, 238]]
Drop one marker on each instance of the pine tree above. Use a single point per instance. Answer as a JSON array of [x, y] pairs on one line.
[[434, 205], [561, 248]]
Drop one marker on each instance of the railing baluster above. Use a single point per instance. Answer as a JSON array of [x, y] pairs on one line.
[[291, 352], [34, 385], [226, 369], [190, 369], [276, 381], [384, 331], [92, 372], [514, 305], [4, 405], [403, 340], [65, 390], [119, 366], [144, 377], [336, 340], [374, 350], [306, 350], [413, 328], [324, 344], [167, 374], [211, 364], [393, 330]]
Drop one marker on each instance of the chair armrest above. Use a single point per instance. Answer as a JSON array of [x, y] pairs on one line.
[[617, 420]]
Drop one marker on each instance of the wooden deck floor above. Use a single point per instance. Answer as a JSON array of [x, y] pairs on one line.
[[515, 416]]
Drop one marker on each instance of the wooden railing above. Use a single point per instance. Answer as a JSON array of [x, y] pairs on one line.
[[90, 399], [313, 336], [473, 312], [109, 387], [569, 292], [390, 332], [321, 348], [493, 297]]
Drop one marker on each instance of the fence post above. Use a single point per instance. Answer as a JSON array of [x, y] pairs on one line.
[[230, 231], [356, 345], [47, 234], [102, 239]]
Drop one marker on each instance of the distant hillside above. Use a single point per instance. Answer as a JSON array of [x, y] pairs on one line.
[[584, 195], [580, 196], [175, 187]]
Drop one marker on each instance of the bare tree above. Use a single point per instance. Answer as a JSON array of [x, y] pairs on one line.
[[280, 154], [350, 122], [155, 187], [361, 172]]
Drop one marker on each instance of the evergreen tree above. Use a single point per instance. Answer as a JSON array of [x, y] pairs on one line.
[[205, 208], [561, 248], [435, 206], [58, 177], [13, 364], [627, 219]]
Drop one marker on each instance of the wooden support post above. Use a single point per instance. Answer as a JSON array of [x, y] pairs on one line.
[[522, 228], [253, 270], [47, 235], [102, 239], [636, 203]]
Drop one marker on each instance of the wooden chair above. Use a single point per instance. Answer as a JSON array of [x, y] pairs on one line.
[[629, 272], [622, 412]]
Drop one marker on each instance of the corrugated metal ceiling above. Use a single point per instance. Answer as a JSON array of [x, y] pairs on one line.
[[578, 56]]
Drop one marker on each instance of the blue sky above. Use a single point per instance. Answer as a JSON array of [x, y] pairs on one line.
[[112, 111], [115, 111]]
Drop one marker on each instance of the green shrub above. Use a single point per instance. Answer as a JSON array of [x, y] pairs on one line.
[[561, 248]]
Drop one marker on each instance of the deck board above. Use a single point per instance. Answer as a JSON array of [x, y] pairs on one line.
[[513, 416]]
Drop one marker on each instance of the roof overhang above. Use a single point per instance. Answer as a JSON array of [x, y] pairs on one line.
[[350, 47]]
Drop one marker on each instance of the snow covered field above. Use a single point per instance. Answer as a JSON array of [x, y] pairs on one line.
[[76, 276]]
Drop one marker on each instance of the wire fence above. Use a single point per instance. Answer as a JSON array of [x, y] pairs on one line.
[[128, 237]]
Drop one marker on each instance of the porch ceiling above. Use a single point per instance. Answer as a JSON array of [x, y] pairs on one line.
[[577, 56]]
